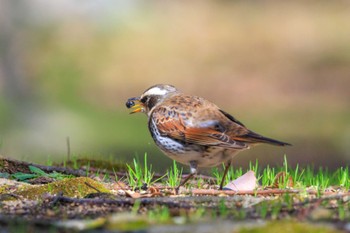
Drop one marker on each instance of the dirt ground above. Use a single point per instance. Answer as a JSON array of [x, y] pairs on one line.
[[86, 203]]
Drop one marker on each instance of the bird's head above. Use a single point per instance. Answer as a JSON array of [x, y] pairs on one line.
[[150, 98]]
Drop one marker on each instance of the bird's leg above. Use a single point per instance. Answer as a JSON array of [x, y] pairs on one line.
[[227, 166], [193, 167]]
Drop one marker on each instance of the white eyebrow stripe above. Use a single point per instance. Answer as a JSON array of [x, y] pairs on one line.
[[156, 91]]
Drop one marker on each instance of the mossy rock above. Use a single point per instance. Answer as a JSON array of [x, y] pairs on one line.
[[71, 187]]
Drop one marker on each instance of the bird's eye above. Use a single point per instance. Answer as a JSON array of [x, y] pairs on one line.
[[144, 99]]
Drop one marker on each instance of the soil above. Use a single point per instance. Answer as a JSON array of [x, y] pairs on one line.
[[84, 201]]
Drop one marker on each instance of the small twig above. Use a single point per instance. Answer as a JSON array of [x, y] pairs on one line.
[[12, 166], [231, 192], [55, 199], [5, 196], [90, 186], [256, 192], [173, 203], [64, 170]]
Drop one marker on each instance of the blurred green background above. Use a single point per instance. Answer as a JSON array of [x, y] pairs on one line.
[[67, 68]]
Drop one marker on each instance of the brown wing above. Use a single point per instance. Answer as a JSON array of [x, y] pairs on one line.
[[195, 120], [212, 131]]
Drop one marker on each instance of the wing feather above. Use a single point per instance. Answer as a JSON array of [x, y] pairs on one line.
[[204, 134], [192, 119]]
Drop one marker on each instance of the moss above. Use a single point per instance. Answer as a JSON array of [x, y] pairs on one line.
[[73, 187], [7, 188], [4, 188], [289, 227]]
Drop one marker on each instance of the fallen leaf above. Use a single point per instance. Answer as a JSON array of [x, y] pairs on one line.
[[246, 182], [154, 191], [132, 194]]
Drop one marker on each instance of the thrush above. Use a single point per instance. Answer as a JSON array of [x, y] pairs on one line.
[[192, 130]]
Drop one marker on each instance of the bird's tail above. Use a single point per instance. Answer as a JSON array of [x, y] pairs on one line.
[[252, 137]]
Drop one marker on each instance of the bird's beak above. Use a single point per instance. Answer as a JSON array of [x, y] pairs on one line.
[[135, 104]]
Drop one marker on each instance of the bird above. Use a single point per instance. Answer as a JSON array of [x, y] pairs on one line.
[[192, 130]]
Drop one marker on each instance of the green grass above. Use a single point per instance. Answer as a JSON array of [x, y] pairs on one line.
[[343, 177], [174, 175], [160, 215], [283, 176], [138, 175]]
